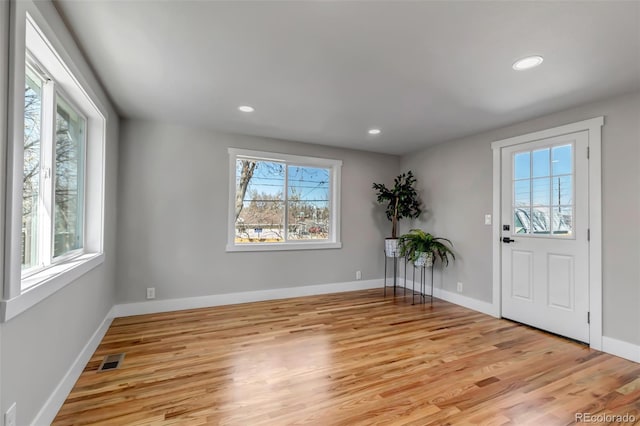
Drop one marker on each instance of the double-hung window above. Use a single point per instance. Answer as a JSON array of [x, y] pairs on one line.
[[283, 202]]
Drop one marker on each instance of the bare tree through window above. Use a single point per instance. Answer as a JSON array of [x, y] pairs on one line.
[[278, 202], [67, 172]]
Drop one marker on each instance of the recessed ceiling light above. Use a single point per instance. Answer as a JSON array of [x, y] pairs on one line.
[[528, 62], [246, 108], [374, 131]]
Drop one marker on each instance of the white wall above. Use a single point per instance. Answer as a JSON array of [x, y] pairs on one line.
[[38, 347], [173, 217], [456, 183]]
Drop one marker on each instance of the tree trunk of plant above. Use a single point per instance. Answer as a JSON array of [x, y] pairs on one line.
[[394, 220]]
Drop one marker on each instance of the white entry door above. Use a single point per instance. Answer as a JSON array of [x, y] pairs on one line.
[[545, 247]]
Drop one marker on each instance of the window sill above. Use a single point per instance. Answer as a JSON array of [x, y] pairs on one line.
[[283, 246], [46, 282]]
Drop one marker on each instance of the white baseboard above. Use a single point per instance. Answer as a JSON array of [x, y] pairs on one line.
[[48, 412], [167, 305], [467, 302], [622, 349], [459, 299]]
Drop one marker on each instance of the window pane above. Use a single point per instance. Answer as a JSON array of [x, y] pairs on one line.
[[540, 222], [308, 197], [562, 220], [561, 160], [69, 179], [541, 191], [522, 165], [308, 221], [562, 191], [541, 163], [521, 222], [261, 221], [521, 193], [259, 201], [31, 170]]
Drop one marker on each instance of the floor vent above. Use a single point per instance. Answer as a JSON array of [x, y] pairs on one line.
[[111, 362]]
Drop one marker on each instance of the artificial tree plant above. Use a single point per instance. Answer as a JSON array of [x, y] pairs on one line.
[[401, 200]]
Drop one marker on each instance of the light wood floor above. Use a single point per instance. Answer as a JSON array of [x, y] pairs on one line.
[[345, 359]]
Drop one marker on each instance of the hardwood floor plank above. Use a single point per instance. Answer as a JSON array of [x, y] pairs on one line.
[[352, 358]]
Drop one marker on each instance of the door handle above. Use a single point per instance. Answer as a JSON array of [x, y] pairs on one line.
[[507, 240]]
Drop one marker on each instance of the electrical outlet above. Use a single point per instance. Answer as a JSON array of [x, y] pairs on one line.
[[487, 219], [358, 275], [459, 287], [151, 292], [10, 416]]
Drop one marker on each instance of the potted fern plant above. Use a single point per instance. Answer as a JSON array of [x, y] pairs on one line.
[[401, 201], [422, 248]]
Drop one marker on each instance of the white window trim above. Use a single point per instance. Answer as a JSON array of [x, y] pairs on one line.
[[49, 281], [30, 28], [335, 166]]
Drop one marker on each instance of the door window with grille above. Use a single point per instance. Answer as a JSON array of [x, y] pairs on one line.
[[543, 192]]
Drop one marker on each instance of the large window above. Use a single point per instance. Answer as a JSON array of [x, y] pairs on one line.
[[55, 168], [281, 202], [53, 173]]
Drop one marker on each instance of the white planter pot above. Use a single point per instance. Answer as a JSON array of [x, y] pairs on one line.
[[424, 260], [391, 248]]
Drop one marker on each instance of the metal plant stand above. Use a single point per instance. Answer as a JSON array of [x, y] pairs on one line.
[[423, 284], [395, 274]]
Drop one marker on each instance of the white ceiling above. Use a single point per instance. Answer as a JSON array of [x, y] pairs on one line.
[[326, 71]]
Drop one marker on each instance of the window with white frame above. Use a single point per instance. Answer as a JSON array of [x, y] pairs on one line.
[[55, 169], [53, 173], [283, 202]]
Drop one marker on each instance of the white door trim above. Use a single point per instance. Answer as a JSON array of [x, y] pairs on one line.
[[594, 127]]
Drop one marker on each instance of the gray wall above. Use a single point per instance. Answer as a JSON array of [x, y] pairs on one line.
[[455, 185], [456, 180], [4, 78], [39, 346], [173, 221]]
